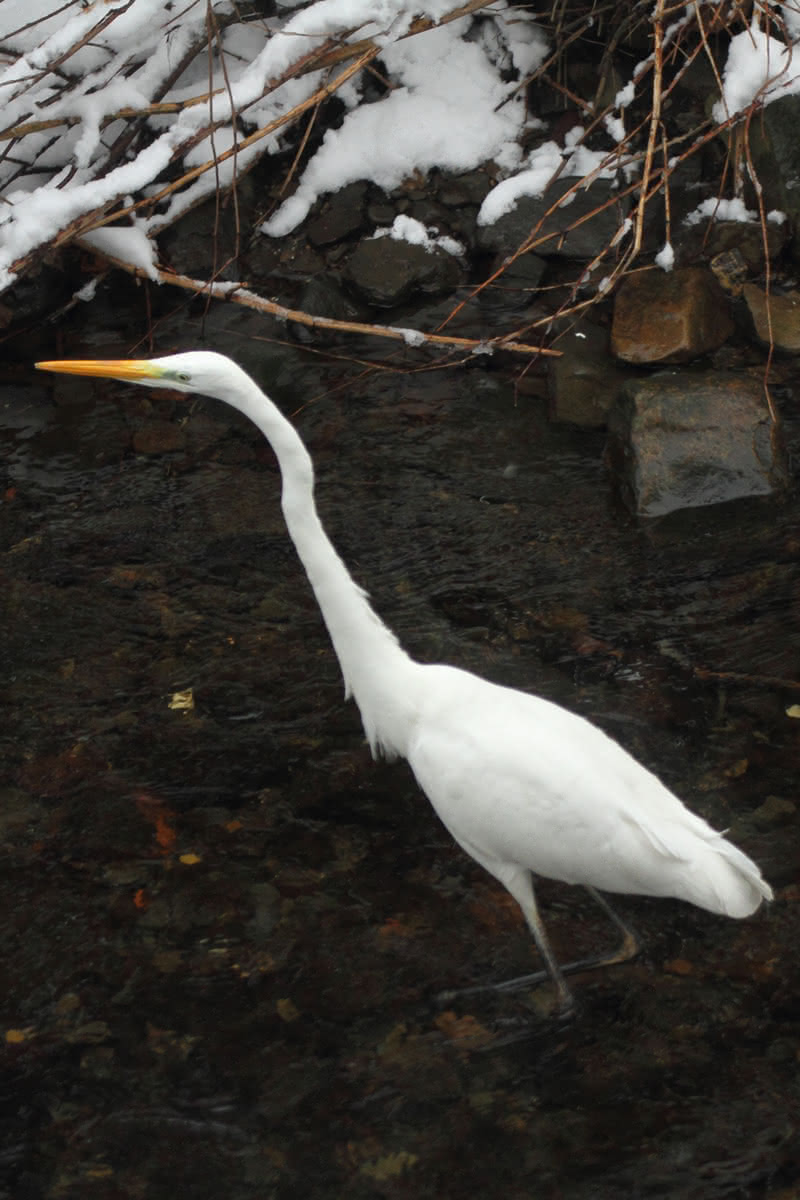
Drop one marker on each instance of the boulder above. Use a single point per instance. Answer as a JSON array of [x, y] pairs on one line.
[[776, 318], [586, 240], [686, 439], [775, 152], [669, 317], [514, 289], [341, 216], [385, 271]]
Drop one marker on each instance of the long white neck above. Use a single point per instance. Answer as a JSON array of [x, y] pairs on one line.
[[377, 671]]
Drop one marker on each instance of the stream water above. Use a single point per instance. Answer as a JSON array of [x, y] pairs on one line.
[[224, 928]]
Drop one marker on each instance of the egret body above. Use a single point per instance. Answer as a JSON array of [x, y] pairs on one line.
[[524, 786]]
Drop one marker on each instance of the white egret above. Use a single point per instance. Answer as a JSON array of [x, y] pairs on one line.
[[524, 786]]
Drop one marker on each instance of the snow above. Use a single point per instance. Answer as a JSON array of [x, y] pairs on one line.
[[757, 66], [721, 210], [407, 229], [791, 17], [455, 100], [615, 127], [127, 243], [411, 337], [447, 110], [91, 109], [35, 217], [665, 257], [538, 170], [718, 209]]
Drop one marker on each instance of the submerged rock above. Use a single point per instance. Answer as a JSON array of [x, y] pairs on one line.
[[685, 439], [584, 381]]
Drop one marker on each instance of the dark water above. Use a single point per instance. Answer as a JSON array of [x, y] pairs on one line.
[[224, 928]]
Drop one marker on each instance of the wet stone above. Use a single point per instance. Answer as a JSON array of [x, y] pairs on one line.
[[431, 214], [552, 233], [265, 899], [746, 238], [288, 258], [515, 287], [341, 217], [386, 272], [471, 188], [688, 439], [584, 381], [730, 270], [669, 317], [193, 250], [775, 318], [381, 214], [775, 151]]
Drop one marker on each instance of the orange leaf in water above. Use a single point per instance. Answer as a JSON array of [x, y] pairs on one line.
[[165, 834], [394, 928], [679, 966], [402, 926], [14, 1037], [158, 814], [389, 1166], [462, 1029], [287, 1009], [495, 910]]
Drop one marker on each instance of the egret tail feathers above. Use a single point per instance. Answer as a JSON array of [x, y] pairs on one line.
[[725, 881], [707, 869]]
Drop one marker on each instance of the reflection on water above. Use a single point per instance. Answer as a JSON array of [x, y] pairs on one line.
[[224, 927]]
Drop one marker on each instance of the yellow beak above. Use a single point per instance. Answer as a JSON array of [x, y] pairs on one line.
[[134, 369]]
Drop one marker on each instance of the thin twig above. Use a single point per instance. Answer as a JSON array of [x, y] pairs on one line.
[[239, 293]]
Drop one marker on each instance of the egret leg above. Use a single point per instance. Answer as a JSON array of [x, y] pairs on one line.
[[628, 949], [520, 885]]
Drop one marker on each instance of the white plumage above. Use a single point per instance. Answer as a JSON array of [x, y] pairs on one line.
[[523, 785], [518, 780]]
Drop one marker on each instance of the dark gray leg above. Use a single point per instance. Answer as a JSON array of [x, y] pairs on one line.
[[630, 945], [520, 885], [628, 948]]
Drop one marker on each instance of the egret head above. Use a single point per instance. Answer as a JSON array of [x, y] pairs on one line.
[[200, 371]]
